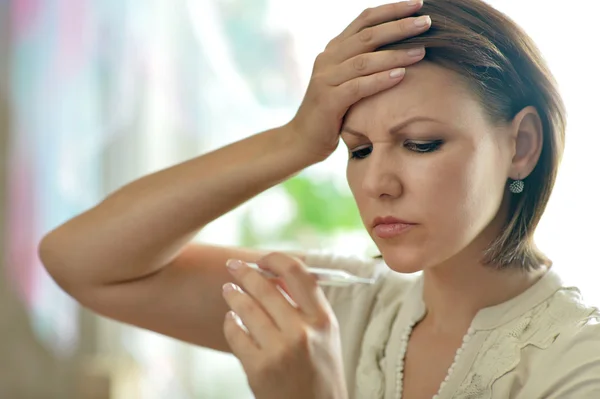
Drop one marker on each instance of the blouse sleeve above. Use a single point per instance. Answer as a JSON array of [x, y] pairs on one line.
[[573, 365]]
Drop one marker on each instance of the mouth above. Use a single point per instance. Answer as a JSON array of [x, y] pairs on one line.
[[389, 227]]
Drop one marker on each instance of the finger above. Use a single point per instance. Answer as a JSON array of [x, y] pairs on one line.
[[259, 324], [265, 292], [241, 344], [370, 63], [353, 91], [300, 284], [378, 15], [369, 39], [283, 288]]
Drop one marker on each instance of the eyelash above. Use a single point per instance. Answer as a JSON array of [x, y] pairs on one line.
[[420, 148]]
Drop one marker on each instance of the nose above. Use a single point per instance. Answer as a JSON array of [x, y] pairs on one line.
[[381, 178]]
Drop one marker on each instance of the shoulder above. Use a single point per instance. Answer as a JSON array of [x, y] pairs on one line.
[[573, 363], [551, 351], [570, 366]]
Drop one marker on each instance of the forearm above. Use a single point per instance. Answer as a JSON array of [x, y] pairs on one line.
[[141, 227]]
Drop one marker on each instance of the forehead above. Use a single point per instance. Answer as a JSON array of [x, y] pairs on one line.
[[427, 90]]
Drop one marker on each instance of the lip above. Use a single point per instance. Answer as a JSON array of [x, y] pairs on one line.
[[389, 226], [391, 230], [388, 220]]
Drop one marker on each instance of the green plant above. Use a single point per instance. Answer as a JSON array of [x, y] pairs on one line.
[[321, 209]]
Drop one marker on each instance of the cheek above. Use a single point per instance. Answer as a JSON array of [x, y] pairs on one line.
[[355, 176], [443, 187], [466, 194]]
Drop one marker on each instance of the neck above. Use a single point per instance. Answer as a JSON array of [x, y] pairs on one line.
[[454, 294], [456, 290]]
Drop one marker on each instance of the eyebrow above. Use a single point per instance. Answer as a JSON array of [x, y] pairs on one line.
[[396, 128]]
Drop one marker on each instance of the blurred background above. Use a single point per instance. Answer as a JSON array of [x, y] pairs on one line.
[[95, 93]]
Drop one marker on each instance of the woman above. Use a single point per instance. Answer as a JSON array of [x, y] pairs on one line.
[[455, 130]]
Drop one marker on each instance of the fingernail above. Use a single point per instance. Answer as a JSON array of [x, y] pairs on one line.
[[423, 21], [414, 3], [234, 264], [227, 288], [416, 52], [397, 73]]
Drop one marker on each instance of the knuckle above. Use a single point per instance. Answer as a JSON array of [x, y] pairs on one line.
[[397, 8], [272, 256], [366, 15], [324, 322], [300, 339], [360, 63], [366, 35], [294, 267], [401, 26], [354, 88], [289, 263], [321, 59], [332, 43]]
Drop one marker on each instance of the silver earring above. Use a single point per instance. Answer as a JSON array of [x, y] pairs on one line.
[[517, 186]]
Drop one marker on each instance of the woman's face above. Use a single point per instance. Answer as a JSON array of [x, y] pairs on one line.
[[445, 174]]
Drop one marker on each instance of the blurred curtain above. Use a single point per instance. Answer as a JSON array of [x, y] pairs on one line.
[[54, 157], [103, 92], [27, 368]]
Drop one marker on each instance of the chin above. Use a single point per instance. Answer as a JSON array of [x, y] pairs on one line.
[[402, 261]]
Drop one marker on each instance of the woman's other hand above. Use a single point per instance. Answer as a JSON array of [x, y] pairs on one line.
[[349, 70], [289, 349]]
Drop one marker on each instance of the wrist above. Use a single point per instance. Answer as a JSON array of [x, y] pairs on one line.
[[295, 137]]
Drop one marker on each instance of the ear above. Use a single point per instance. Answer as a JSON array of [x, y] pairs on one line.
[[528, 139]]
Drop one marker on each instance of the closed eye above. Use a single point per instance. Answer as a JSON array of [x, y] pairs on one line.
[[361, 153], [428, 146], [418, 147]]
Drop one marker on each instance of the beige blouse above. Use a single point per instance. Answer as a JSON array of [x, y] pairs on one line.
[[544, 343]]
